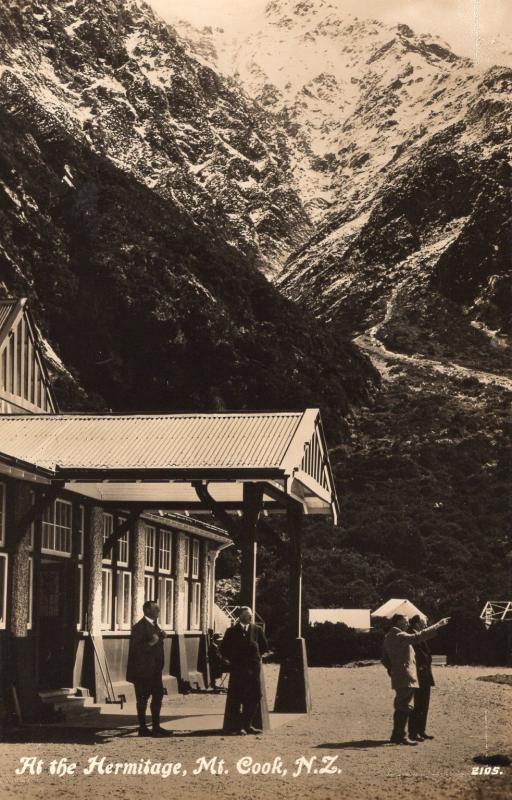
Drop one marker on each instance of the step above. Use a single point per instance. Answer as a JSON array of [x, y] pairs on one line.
[[56, 695]]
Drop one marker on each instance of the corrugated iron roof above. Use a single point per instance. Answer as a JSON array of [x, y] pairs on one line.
[[177, 441]]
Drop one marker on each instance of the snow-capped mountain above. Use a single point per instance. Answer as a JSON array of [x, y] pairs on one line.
[[118, 78], [141, 196], [399, 151]]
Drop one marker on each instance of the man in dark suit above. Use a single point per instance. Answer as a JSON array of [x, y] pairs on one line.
[[418, 717], [242, 648], [144, 669]]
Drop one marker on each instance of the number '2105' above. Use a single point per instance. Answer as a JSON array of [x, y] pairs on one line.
[[485, 771]]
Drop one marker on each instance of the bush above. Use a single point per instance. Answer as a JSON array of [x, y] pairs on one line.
[[330, 643]]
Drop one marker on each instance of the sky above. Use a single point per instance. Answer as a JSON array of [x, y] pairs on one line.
[[469, 26]]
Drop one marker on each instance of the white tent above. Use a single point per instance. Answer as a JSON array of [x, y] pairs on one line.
[[394, 606], [357, 618]]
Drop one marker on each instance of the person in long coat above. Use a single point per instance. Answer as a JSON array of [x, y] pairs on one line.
[[423, 655], [144, 668], [242, 648], [400, 661]]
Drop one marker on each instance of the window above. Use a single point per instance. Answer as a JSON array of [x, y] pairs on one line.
[[149, 587], [57, 528], [150, 546], [2, 513], [195, 607], [187, 556], [124, 600], [165, 550], [108, 530], [123, 547], [3, 590], [166, 601], [33, 524], [195, 559], [81, 530], [80, 610], [185, 611], [106, 598], [30, 592]]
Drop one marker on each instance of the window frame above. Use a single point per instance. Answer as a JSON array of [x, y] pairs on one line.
[[195, 565], [123, 543], [165, 535], [186, 568], [107, 515], [3, 511], [166, 590], [123, 610], [149, 579], [151, 531], [56, 527], [106, 624], [4, 560], [195, 606]]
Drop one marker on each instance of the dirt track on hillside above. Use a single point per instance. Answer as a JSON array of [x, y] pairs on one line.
[[350, 721]]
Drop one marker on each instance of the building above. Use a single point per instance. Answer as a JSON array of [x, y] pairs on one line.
[[356, 618], [100, 512], [394, 606]]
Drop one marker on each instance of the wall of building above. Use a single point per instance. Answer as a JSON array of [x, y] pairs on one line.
[[88, 620]]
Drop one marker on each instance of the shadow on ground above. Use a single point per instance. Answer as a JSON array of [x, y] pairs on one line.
[[361, 744]]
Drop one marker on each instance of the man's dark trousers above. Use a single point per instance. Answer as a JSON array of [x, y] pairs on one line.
[[144, 689], [144, 670], [419, 714]]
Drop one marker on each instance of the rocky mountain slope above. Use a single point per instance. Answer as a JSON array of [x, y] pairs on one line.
[[142, 195], [120, 81], [149, 291], [400, 151]]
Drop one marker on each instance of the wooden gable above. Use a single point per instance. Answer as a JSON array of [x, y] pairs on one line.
[[24, 382]]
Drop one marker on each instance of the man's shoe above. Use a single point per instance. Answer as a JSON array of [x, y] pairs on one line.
[[240, 732], [407, 741], [417, 737], [426, 736], [160, 733], [253, 730], [144, 732]]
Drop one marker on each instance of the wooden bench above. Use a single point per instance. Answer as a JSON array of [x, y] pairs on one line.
[[438, 661]]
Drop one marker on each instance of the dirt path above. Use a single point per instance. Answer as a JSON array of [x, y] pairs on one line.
[[350, 723], [378, 352]]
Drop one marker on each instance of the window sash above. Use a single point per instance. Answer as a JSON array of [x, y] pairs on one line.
[[195, 607], [187, 557], [123, 546], [108, 529], [195, 559], [166, 602], [30, 598], [3, 495], [124, 600], [80, 610], [57, 528], [165, 552], [106, 599], [149, 552], [4, 565], [149, 587]]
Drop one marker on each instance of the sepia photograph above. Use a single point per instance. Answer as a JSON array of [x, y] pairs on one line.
[[255, 399]]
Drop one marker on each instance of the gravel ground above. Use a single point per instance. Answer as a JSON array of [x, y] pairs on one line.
[[350, 723]]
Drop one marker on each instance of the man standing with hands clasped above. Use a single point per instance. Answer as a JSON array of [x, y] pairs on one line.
[[242, 648], [144, 669], [399, 659]]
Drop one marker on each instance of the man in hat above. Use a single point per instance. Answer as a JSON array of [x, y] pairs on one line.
[[144, 668], [399, 659], [242, 648]]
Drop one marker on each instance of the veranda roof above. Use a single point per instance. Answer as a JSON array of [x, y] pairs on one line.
[[154, 459]]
